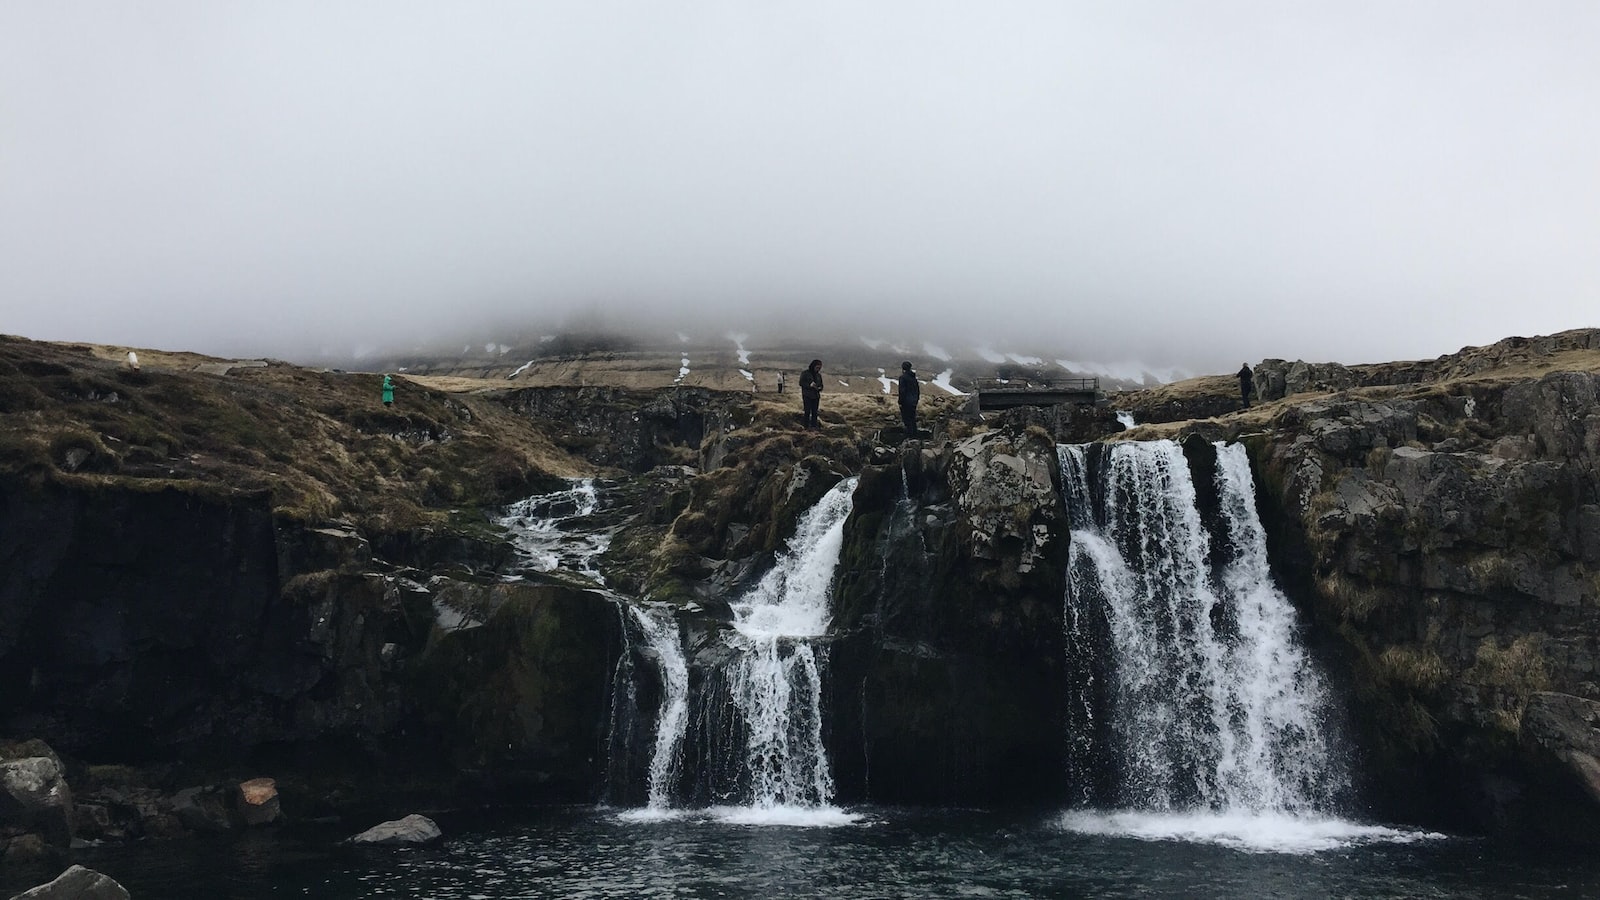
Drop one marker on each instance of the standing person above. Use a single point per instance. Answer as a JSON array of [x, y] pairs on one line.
[[811, 391], [1246, 384], [780, 382], [388, 391], [910, 393]]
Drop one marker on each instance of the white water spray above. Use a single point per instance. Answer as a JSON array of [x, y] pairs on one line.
[[662, 643], [776, 682], [1210, 713]]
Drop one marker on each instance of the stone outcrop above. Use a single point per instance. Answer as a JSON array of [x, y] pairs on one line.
[[947, 660], [629, 429], [1276, 379], [1452, 541]]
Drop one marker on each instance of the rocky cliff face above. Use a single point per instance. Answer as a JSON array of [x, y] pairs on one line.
[[1438, 522], [202, 638], [629, 429], [948, 614], [1451, 539]]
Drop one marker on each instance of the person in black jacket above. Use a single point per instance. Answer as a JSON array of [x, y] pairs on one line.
[[910, 393], [811, 391], [1246, 384]]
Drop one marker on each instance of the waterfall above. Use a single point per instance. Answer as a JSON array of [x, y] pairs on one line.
[[776, 679], [548, 536], [1193, 692], [659, 629], [745, 724]]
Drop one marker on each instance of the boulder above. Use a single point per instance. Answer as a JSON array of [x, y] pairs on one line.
[[413, 829], [35, 796], [257, 801], [77, 883], [202, 809]]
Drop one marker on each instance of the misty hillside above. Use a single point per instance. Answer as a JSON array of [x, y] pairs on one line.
[[737, 361]]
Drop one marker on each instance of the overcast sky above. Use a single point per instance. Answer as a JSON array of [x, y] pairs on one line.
[[1178, 182]]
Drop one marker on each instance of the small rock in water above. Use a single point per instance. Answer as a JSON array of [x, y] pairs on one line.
[[77, 883], [413, 829]]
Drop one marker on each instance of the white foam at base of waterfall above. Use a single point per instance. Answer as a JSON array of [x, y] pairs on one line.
[[775, 816], [1253, 832], [1218, 730], [784, 814]]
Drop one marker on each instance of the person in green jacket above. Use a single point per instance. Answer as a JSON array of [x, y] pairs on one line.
[[388, 391]]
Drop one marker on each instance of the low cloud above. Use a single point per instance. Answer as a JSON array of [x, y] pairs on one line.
[[1162, 181]]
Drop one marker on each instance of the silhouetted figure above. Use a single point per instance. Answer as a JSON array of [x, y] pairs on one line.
[[910, 393], [811, 391], [388, 391], [1247, 384]]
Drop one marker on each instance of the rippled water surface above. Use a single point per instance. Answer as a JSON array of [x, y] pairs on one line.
[[587, 852]]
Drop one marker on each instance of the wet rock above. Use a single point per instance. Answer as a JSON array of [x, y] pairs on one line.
[[28, 849], [33, 794], [77, 883], [945, 665], [1569, 728], [203, 809], [412, 830]]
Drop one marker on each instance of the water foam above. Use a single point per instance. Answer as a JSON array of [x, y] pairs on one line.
[[1198, 716], [789, 815], [1253, 832]]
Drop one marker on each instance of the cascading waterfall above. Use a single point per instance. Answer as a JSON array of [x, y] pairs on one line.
[[662, 643], [747, 720], [542, 531], [1194, 696], [776, 680]]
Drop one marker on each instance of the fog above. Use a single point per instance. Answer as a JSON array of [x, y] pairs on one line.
[[1175, 182]]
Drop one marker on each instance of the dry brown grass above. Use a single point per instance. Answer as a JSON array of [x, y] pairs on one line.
[[1508, 676], [319, 443]]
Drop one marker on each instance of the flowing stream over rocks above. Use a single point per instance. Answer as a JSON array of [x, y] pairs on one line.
[[548, 533]]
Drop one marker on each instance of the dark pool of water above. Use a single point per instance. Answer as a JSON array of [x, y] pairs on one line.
[[594, 853]]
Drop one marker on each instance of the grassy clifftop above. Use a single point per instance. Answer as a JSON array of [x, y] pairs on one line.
[[319, 443]]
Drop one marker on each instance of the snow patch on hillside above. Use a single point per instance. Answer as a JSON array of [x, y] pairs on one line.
[[943, 380]]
